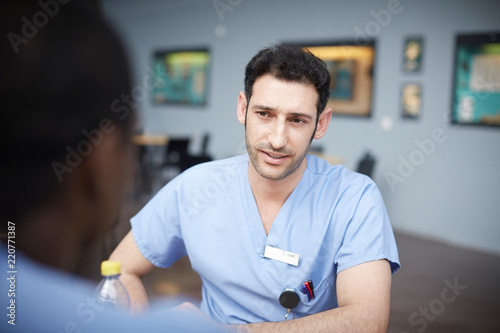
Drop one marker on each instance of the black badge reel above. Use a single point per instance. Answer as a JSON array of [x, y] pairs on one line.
[[289, 300]]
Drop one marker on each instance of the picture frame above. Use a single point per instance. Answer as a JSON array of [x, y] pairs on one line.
[[411, 100], [181, 76], [351, 69], [476, 80], [413, 50]]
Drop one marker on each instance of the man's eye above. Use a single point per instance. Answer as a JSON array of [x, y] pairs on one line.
[[298, 121], [262, 113]]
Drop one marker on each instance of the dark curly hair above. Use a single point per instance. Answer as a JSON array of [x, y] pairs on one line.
[[289, 62]]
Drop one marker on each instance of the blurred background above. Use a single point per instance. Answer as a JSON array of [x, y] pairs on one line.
[[440, 181]]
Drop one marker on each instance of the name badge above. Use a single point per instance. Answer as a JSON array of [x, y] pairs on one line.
[[281, 255]]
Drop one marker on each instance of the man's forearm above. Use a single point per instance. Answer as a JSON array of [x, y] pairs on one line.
[[138, 296], [134, 266], [344, 319]]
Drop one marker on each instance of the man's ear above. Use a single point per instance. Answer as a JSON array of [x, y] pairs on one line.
[[242, 107], [323, 122]]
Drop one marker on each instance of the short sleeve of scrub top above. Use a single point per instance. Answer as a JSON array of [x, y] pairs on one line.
[[156, 228]]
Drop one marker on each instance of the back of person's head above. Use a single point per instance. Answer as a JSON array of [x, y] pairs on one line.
[[292, 63], [63, 71]]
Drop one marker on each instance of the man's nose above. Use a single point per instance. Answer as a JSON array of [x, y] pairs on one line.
[[278, 136]]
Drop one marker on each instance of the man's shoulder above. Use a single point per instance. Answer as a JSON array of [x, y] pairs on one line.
[[320, 167], [338, 178]]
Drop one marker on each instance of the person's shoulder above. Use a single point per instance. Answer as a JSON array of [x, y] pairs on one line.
[[50, 280], [318, 166], [338, 175], [46, 297]]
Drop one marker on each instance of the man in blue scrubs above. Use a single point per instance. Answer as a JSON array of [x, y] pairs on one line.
[[276, 222]]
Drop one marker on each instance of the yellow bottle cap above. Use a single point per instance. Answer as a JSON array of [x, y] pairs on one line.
[[109, 267]]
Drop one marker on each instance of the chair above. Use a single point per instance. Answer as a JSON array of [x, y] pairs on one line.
[[178, 157], [203, 156], [177, 153], [366, 164]]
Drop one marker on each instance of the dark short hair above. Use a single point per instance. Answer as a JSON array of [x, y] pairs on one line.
[[57, 84], [293, 63]]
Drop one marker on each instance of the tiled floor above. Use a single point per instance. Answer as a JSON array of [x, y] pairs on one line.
[[440, 288]]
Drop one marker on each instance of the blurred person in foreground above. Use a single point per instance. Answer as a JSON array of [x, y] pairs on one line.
[[65, 165]]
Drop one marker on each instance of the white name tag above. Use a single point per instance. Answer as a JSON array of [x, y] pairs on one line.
[[281, 255]]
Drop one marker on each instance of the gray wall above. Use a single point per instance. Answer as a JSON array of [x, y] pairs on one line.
[[453, 195]]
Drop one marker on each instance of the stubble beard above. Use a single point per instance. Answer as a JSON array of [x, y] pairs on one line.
[[253, 153]]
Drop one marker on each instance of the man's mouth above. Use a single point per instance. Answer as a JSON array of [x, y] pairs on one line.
[[275, 156]]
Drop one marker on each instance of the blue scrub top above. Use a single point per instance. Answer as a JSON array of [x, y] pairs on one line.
[[334, 219]]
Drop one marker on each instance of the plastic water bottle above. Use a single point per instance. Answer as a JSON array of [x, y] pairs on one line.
[[111, 293]]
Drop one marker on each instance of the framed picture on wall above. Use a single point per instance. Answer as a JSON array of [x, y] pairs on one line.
[[412, 54], [351, 69], [180, 76], [411, 100], [476, 84]]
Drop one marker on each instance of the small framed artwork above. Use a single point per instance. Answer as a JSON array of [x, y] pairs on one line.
[[411, 100], [476, 84], [412, 54], [180, 76], [351, 70]]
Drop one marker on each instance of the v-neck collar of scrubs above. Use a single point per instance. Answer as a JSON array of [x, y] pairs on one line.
[[281, 221]]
